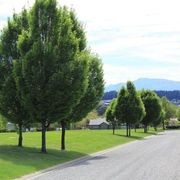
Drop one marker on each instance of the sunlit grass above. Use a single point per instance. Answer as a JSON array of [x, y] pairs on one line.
[[15, 161]]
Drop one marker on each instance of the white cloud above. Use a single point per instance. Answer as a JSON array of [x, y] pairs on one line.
[[8, 6], [115, 74], [141, 29]]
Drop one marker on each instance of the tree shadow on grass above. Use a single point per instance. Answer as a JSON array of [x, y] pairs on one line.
[[33, 159]]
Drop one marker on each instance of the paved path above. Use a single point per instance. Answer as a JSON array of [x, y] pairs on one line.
[[153, 158]]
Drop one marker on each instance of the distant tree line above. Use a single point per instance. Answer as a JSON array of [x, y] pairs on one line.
[[110, 95], [170, 95]]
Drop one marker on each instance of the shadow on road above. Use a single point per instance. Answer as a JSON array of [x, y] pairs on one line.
[[85, 161], [130, 137]]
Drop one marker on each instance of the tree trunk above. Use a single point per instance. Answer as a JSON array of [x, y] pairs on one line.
[[134, 128], [163, 125], [63, 125], [20, 136], [127, 129], [145, 129], [113, 128], [43, 145]]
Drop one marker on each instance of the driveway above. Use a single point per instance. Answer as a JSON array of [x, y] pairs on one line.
[[153, 158]]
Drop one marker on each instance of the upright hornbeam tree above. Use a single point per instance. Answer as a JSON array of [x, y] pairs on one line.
[[110, 114], [159, 121], [54, 64], [136, 109], [129, 107], [152, 106], [11, 104], [91, 97], [121, 108], [168, 107]]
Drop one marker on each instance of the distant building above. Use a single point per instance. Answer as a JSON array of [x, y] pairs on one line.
[[98, 124], [107, 102], [173, 124], [10, 126]]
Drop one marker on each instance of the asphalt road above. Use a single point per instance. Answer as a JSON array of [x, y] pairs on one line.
[[153, 158]]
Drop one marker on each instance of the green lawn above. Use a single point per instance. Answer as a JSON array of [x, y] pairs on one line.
[[15, 162]]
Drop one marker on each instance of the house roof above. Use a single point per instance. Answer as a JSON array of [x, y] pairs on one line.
[[98, 122]]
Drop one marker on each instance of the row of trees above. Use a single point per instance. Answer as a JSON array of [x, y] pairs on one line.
[[170, 95], [132, 107], [47, 73]]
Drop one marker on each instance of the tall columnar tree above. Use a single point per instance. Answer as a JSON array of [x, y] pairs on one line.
[[90, 98], [121, 107], [11, 105], [129, 108], [152, 106], [54, 64], [178, 113], [159, 120], [110, 114], [136, 110], [169, 108]]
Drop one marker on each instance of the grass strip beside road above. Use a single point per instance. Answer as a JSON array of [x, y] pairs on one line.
[[16, 162]]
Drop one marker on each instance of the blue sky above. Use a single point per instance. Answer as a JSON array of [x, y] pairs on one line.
[[133, 38]]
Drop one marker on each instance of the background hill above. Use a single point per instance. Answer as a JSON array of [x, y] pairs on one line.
[[145, 83]]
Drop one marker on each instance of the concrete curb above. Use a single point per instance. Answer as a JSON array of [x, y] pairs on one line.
[[76, 161]]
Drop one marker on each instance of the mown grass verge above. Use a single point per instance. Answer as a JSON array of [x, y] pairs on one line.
[[16, 162]]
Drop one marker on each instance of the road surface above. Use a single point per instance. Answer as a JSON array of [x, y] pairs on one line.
[[153, 158]]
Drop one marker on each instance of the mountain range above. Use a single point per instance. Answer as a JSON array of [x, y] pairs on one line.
[[146, 83]]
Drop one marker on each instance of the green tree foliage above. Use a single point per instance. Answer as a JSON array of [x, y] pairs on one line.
[[54, 64], [178, 113], [110, 114], [129, 108], [169, 108], [121, 106], [85, 121], [90, 98], [3, 123], [11, 105], [152, 106], [136, 110], [94, 91], [159, 120], [47, 70]]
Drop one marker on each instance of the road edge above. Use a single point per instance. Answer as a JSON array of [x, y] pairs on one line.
[[31, 176]]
